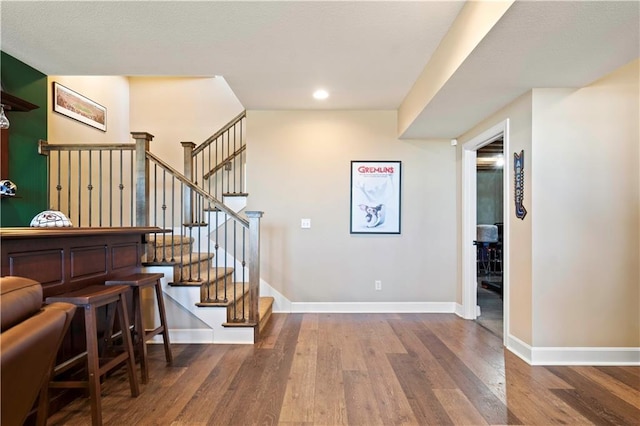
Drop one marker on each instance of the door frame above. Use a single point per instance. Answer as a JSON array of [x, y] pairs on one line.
[[469, 221]]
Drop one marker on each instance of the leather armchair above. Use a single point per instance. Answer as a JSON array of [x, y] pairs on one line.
[[30, 337]]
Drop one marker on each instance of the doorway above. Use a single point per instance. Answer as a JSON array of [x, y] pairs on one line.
[[489, 235], [471, 255]]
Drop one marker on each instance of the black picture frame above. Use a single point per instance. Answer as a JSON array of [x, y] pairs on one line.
[[74, 105], [376, 195]]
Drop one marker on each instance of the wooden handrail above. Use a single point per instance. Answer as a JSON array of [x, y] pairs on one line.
[[45, 147], [217, 203], [219, 133], [225, 162]]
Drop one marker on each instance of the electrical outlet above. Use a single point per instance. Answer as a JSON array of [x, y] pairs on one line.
[[378, 285], [305, 223]]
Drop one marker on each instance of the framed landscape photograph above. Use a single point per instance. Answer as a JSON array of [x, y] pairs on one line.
[[375, 197], [80, 108]]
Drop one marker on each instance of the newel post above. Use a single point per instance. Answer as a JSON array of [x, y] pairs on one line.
[[142, 177], [254, 265], [187, 203]]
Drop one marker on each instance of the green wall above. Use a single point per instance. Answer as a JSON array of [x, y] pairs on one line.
[[27, 169]]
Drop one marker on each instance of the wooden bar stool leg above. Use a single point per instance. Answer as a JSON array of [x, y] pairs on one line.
[[111, 316], [136, 282], [139, 334], [163, 323], [93, 366], [128, 346]]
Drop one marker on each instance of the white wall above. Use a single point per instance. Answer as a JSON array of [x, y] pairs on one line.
[[298, 166], [178, 110], [586, 213], [108, 91]]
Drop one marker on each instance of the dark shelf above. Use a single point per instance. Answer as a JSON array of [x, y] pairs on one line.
[[14, 103]]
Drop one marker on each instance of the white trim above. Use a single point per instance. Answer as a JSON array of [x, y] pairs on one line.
[[585, 356], [235, 335], [186, 336], [573, 355], [519, 348], [459, 310], [280, 303], [506, 229], [469, 279], [374, 307]]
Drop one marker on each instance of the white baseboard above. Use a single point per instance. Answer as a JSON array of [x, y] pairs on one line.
[[573, 355], [280, 303], [519, 348], [236, 336], [459, 311], [184, 336], [373, 307], [283, 305]]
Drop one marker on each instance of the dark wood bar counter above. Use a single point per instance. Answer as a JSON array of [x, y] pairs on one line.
[[66, 259]]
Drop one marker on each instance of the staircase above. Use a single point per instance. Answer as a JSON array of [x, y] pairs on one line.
[[209, 252], [194, 283]]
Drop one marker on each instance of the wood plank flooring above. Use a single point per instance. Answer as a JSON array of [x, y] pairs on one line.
[[364, 369]]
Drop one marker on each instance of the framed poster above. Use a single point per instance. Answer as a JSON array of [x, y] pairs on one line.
[[74, 105], [375, 197]]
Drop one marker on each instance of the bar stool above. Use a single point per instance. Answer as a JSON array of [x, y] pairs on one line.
[[141, 336], [90, 298]]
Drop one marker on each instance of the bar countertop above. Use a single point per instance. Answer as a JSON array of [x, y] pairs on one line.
[[26, 232]]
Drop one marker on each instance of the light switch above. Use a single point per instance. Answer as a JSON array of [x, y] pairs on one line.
[[305, 223]]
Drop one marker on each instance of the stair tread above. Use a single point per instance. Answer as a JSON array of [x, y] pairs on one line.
[[235, 194], [240, 324], [191, 258], [195, 224], [214, 274], [264, 305], [239, 292]]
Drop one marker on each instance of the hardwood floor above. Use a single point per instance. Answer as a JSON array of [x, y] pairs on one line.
[[364, 369]]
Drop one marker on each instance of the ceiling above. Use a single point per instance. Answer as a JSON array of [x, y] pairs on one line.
[[366, 54]]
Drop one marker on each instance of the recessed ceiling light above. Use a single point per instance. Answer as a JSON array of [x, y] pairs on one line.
[[320, 94]]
